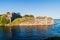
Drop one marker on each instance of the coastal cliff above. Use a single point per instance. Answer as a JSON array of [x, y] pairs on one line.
[[40, 21]]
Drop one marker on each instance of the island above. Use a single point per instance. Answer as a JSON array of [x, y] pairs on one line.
[[26, 20]]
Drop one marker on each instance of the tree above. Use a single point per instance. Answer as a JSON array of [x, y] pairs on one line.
[[15, 15], [3, 20], [8, 12], [31, 16], [28, 16]]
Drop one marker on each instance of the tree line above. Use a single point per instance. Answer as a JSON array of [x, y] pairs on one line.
[[4, 19]]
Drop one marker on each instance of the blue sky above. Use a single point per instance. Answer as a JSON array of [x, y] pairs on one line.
[[50, 8]]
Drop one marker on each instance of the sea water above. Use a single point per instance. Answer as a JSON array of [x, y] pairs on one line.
[[31, 32]]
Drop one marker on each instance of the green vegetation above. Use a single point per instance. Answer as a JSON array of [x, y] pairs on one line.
[[22, 20], [16, 18], [4, 18], [17, 21], [28, 16]]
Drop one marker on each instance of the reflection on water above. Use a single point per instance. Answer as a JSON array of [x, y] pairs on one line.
[[29, 32]]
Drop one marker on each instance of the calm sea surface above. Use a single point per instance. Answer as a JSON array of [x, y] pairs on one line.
[[30, 33]]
